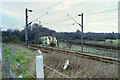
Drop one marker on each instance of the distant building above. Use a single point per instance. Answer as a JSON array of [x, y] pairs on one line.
[[48, 39]]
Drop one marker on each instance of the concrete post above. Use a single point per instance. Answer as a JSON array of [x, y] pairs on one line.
[[39, 67]]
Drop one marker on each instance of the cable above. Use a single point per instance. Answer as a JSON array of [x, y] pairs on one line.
[[47, 8], [75, 6], [40, 17], [99, 20], [66, 19], [57, 71], [95, 12], [98, 9], [92, 13], [60, 21], [104, 11], [72, 6]]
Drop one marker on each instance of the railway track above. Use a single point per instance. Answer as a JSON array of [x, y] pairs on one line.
[[83, 55], [95, 45]]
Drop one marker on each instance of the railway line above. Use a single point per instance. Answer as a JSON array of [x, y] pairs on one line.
[[95, 45], [83, 55]]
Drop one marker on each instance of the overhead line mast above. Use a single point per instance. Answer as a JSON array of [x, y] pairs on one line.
[[81, 28]]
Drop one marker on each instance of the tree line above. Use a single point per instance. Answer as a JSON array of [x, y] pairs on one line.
[[37, 30]]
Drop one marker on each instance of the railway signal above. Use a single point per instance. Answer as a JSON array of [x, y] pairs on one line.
[[81, 28]]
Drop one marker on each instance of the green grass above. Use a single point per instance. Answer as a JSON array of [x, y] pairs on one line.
[[21, 55], [107, 42], [90, 50], [113, 41]]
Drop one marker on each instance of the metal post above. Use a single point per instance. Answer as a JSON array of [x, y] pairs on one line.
[[82, 32], [26, 37], [7, 68], [81, 28], [13, 63]]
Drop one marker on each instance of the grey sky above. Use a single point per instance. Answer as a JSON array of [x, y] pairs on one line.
[[98, 16]]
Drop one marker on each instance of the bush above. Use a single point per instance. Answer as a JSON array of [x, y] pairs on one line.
[[52, 44], [40, 42], [12, 39]]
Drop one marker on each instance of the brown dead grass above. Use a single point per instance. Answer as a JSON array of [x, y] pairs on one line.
[[79, 67]]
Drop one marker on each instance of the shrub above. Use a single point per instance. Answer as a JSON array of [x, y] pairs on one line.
[[12, 39], [52, 44]]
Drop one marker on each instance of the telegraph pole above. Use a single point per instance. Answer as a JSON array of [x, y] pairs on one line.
[[26, 33]]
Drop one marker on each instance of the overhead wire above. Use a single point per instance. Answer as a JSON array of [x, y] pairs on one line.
[[101, 12], [39, 17], [73, 6], [47, 8], [79, 5]]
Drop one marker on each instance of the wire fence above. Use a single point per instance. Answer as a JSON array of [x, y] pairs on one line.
[[14, 67], [82, 66]]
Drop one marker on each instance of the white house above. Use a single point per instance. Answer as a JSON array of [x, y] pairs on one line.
[[48, 39]]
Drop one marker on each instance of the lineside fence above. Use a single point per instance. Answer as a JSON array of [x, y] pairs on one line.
[[11, 68]]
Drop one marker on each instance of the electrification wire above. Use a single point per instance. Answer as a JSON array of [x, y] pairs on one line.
[[104, 11], [87, 14], [97, 9], [75, 6], [74, 20], [72, 6], [99, 20], [95, 12], [85, 3], [47, 8], [40, 17]]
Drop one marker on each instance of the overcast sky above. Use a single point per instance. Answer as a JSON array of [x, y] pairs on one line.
[[98, 16]]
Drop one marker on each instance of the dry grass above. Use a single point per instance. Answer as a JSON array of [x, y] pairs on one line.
[[79, 67]]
